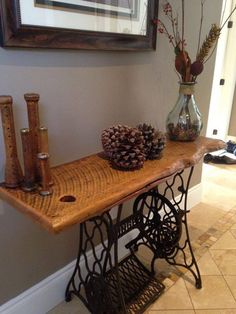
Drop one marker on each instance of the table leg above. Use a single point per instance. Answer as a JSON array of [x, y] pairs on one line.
[[189, 260], [162, 225], [105, 284], [88, 280]]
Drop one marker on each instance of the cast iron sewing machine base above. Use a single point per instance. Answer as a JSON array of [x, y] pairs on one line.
[[107, 286]]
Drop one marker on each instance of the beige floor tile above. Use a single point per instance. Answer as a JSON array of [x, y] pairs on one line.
[[233, 227], [219, 196], [171, 312], [233, 231], [176, 298], [207, 265], [209, 171], [231, 281], [214, 294], [226, 178], [161, 267], [231, 311], [220, 172], [202, 221], [226, 242], [225, 260], [73, 307], [231, 138], [167, 270], [195, 232], [145, 253]]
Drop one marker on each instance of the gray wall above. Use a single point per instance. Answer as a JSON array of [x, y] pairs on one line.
[[232, 125], [81, 94]]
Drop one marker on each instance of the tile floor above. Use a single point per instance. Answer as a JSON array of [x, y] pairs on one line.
[[213, 232]]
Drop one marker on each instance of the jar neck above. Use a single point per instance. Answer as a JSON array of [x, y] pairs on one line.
[[187, 88]]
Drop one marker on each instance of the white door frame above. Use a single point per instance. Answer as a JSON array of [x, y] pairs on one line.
[[225, 68]]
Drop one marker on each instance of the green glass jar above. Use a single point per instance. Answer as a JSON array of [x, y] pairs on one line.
[[184, 122]]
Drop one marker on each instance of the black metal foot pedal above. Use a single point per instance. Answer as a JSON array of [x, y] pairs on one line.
[[140, 289]]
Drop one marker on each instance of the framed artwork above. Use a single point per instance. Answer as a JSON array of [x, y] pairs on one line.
[[79, 24]]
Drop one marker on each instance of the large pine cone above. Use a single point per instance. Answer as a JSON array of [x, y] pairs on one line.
[[111, 136], [124, 146], [154, 141]]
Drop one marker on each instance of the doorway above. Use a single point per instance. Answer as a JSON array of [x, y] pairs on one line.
[[223, 87], [221, 104]]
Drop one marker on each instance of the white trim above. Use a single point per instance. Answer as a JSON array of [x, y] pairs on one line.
[[48, 293], [194, 195], [225, 65], [42, 297]]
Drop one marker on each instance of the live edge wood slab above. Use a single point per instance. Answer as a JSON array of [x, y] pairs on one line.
[[89, 186]]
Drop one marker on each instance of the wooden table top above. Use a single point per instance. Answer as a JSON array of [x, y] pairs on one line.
[[97, 187]]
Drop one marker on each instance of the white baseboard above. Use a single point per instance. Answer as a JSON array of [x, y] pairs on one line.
[[43, 296], [194, 196], [48, 293]]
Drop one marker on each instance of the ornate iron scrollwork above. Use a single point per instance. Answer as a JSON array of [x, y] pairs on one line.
[[161, 225], [88, 283], [97, 294], [109, 286]]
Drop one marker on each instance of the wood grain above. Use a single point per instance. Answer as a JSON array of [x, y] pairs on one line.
[[13, 172], [32, 100], [89, 186], [29, 183], [43, 139], [46, 174]]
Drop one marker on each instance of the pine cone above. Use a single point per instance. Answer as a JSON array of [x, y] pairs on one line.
[[158, 144], [154, 141], [111, 136], [124, 146]]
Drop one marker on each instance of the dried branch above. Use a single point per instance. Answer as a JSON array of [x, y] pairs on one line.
[[173, 21], [167, 9], [201, 22], [165, 31], [189, 71], [183, 22], [177, 28]]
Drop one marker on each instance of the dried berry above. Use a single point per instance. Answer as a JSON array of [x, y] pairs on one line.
[[197, 68]]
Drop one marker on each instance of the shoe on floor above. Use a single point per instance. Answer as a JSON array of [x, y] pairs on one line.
[[231, 147], [219, 159]]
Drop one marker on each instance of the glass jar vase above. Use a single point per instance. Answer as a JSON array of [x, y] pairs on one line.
[[184, 122]]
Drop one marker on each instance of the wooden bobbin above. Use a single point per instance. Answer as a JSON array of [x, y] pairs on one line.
[[45, 189], [43, 139], [13, 172], [29, 179], [34, 124]]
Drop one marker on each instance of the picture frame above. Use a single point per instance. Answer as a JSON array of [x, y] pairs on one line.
[[79, 24]]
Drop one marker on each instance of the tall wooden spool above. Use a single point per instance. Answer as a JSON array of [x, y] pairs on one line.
[[13, 172], [29, 178], [34, 124]]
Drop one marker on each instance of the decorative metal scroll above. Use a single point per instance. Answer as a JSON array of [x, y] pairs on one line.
[[109, 286], [103, 283], [162, 224], [88, 283]]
